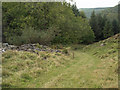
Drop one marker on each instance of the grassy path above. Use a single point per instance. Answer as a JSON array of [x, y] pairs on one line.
[[94, 66], [84, 71], [79, 74]]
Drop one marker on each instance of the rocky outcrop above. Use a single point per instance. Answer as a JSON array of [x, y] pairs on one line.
[[27, 47]]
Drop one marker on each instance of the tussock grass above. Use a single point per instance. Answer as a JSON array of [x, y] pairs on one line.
[[93, 66], [20, 66]]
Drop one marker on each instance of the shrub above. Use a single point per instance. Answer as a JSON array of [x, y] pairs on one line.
[[47, 36], [29, 35]]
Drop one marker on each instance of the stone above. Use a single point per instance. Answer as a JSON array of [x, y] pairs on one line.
[[27, 47], [3, 50], [103, 44], [58, 51], [5, 44]]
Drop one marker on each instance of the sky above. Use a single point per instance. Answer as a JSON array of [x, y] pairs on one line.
[[95, 3]]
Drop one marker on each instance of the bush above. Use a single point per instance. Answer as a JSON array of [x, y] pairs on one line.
[[47, 36], [29, 35]]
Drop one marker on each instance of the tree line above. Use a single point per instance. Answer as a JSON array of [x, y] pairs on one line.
[[103, 27], [52, 23], [45, 23]]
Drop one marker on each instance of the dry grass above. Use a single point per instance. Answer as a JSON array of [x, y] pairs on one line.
[[93, 66]]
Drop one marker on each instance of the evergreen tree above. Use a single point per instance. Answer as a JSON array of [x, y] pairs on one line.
[[107, 32], [94, 24], [115, 27], [100, 27], [75, 10]]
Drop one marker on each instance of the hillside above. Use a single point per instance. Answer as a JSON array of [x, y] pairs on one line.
[[79, 66], [111, 13], [88, 11]]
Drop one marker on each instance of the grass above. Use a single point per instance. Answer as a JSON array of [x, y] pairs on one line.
[[93, 66]]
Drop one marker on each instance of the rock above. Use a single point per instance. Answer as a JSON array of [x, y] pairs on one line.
[[43, 50], [103, 44], [32, 44], [58, 51], [28, 47], [5, 44], [3, 50]]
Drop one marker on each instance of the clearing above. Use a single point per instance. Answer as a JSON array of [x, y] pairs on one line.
[[93, 66]]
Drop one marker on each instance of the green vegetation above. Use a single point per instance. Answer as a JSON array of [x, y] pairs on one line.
[[103, 21], [88, 11], [93, 66], [103, 27], [72, 60], [111, 13], [44, 23], [55, 23]]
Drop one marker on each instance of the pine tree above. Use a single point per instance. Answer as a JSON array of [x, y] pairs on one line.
[[107, 32], [100, 25], [115, 27], [75, 10], [94, 24]]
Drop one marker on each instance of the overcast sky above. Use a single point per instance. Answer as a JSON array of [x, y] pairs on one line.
[[95, 3]]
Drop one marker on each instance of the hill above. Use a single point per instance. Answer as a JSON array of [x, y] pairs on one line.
[[79, 66], [111, 13], [88, 11]]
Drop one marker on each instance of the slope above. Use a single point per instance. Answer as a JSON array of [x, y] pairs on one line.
[[88, 11], [111, 13], [93, 66]]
